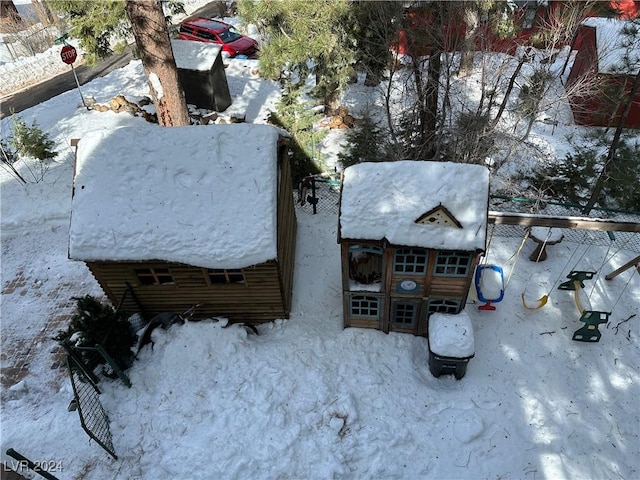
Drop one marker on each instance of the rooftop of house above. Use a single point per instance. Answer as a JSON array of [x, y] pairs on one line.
[[618, 44], [198, 195], [440, 205]]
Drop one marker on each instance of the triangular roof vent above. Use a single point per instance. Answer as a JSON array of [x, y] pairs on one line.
[[439, 216]]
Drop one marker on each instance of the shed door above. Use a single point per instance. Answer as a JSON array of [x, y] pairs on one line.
[[403, 315]]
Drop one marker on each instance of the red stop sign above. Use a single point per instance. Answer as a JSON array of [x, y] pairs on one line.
[[68, 54]]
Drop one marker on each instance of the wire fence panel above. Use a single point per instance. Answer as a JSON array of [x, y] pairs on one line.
[[619, 240], [327, 195], [93, 418]]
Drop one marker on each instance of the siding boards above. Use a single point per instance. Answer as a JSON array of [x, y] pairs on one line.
[[287, 228], [258, 299]]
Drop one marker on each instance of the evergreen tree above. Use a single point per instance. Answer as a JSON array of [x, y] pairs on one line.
[[100, 27], [305, 38], [105, 26], [363, 143], [94, 324], [297, 117]]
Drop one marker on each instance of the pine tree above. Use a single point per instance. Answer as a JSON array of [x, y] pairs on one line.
[[306, 38], [95, 323], [363, 143]]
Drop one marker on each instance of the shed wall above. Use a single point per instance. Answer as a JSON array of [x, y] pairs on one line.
[[287, 228], [259, 299]]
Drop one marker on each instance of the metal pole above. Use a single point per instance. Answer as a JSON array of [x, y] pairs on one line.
[[78, 84], [313, 194]]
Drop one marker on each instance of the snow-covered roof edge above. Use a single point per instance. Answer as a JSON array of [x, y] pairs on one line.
[[222, 210]]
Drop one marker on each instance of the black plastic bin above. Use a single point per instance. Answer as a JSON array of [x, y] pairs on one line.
[[439, 365], [451, 344]]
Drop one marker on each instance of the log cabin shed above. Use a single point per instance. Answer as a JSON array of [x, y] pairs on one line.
[[180, 216], [411, 234]]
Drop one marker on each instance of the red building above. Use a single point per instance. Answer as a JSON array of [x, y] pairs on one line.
[[604, 70]]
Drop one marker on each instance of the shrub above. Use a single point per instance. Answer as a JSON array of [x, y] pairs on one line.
[[95, 323], [30, 143], [364, 142]]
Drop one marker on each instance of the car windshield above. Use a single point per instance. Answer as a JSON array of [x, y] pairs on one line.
[[229, 35]]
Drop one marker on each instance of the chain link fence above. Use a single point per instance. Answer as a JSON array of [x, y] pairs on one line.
[[619, 240], [322, 195]]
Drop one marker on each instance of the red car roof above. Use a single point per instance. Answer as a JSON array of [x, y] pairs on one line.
[[208, 23]]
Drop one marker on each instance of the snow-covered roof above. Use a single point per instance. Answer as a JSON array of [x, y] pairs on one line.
[[197, 56], [390, 199], [199, 195], [617, 44]]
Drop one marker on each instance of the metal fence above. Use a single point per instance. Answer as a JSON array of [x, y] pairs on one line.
[[327, 200], [618, 240], [93, 418]]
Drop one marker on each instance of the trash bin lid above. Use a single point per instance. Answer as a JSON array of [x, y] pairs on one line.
[[451, 335]]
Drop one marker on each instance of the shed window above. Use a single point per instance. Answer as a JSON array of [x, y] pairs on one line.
[[365, 263], [364, 306], [452, 264], [154, 276], [444, 306], [225, 276], [410, 260]]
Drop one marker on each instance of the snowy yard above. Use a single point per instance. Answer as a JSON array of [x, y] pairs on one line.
[[306, 398]]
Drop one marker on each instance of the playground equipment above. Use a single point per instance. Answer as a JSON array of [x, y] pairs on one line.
[[592, 318], [489, 281]]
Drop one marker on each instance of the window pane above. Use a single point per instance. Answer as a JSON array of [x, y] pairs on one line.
[[455, 264], [225, 276], [404, 313], [364, 306], [410, 260], [154, 276]]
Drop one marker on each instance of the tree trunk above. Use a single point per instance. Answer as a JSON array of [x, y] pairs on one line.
[[431, 103], [471, 21], [154, 46], [507, 94], [43, 12], [603, 177]]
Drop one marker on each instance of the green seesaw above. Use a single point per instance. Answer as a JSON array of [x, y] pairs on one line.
[[591, 318]]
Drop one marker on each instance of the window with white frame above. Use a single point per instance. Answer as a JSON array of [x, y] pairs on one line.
[[412, 261], [364, 306], [452, 264]]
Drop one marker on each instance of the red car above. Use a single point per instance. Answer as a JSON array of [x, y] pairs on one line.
[[209, 30]]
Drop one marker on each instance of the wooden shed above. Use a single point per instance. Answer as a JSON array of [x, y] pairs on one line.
[[411, 233], [202, 74], [606, 65], [181, 216]]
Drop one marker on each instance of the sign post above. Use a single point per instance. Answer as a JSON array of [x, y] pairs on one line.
[[69, 55]]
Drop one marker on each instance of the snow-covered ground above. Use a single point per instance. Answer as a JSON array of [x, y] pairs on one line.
[[306, 398]]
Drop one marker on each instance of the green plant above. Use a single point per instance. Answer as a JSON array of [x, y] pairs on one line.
[[364, 142], [571, 179], [32, 142], [95, 323], [296, 116]]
